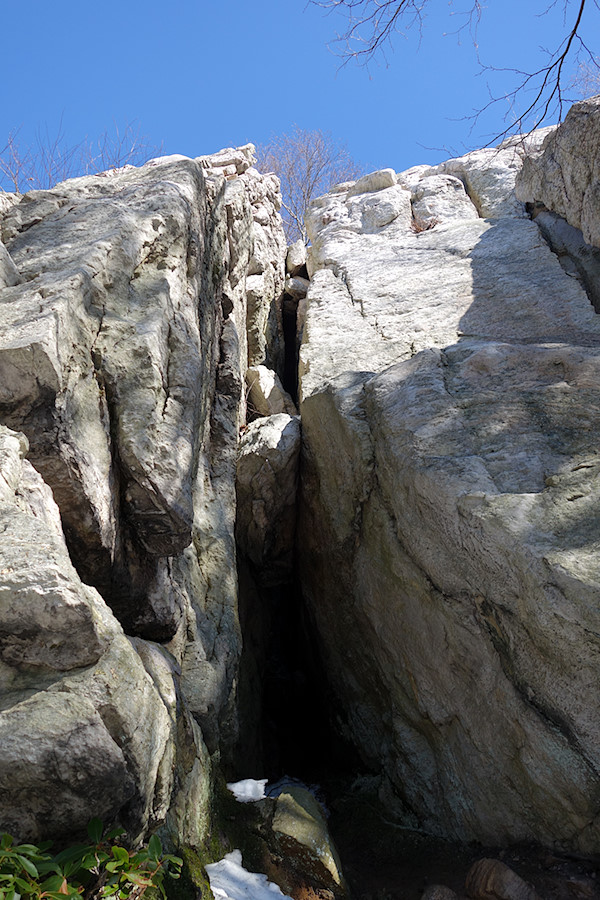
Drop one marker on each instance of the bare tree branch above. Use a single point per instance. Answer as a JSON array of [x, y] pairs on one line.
[[541, 93], [50, 159], [307, 164]]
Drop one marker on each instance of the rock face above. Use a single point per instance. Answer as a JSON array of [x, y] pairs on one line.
[[564, 174], [127, 320], [449, 530], [82, 729]]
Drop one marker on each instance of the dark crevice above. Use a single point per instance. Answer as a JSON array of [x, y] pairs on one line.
[[578, 259], [289, 311], [288, 713]]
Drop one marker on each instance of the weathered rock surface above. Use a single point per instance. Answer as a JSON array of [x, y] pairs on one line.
[[124, 342], [438, 892], [304, 845], [564, 173], [83, 731], [9, 275], [267, 478], [490, 879], [449, 528]]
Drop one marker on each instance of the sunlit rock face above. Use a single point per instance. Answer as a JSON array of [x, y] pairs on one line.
[[449, 527], [564, 173], [125, 336]]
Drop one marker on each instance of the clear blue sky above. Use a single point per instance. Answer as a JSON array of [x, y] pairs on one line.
[[197, 75]]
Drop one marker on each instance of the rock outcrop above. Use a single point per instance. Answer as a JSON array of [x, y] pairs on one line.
[[449, 530], [564, 173], [128, 317], [446, 534]]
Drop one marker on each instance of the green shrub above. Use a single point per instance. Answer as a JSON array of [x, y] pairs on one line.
[[91, 871]]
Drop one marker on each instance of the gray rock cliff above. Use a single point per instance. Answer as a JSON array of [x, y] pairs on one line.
[[128, 318], [449, 527]]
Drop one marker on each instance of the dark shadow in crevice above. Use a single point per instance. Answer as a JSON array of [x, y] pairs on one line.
[[287, 713], [289, 315], [578, 259]]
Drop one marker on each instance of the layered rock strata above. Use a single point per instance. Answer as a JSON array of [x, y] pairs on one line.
[[449, 528], [129, 311]]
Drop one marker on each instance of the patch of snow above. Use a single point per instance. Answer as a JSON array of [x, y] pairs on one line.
[[248, 790], [230, 881]]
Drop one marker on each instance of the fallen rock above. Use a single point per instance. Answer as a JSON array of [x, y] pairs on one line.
[[296, 286], [490, 879], [296, 258], [267, 476], [266, 394], [302, 839]]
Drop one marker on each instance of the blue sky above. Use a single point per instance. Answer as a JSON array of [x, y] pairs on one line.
[[197, 75]]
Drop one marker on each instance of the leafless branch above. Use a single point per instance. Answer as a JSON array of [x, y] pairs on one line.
[[307, 164], [50, 159], [541, 93]]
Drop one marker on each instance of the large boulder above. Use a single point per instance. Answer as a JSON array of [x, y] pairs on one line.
[[448, 534]]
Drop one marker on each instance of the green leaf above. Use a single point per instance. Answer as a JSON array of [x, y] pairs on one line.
[[76, 852], [28, 866], [154, 847], [120, 854], [136, 878], [95, 829], [29, 850], [54, 883], [5, 841]]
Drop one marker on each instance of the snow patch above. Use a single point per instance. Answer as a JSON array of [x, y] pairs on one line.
[[248, 790], [230, 881]]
